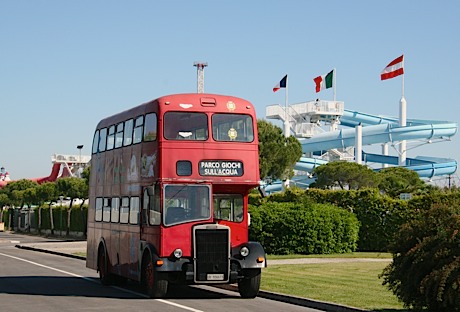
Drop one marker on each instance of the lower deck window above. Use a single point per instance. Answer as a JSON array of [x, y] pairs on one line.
[[185, 203], [106, 210], [134, 209], [228, 207], [124, 210], [98, 215]]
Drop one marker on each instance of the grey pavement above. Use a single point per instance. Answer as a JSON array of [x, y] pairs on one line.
[[77, 249]]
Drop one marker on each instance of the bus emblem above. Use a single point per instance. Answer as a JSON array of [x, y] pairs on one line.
[[231, 106], [232, 133]]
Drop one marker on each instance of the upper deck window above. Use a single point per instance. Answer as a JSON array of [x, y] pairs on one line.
[[185, 126], [111, 138], [128, 135], [150, 128], [232, 127], [99, 141], [119, 136], [95, 142], [138, 129]]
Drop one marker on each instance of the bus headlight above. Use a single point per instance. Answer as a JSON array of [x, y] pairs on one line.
[[178, 253], [244, 251]]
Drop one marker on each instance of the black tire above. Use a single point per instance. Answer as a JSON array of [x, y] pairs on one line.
[[154, 285], [103, 267], [249, 286]]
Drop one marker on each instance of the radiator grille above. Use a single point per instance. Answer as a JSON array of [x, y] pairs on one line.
[[212, 253]]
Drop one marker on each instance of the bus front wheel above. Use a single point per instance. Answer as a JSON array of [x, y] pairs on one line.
[[154, 285], [248, 287]]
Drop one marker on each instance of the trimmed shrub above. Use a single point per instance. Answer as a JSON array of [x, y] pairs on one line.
[[77, 218], [303, 228], [425, 272], [380, 216]]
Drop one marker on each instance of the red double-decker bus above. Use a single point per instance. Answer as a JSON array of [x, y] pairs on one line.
[[169, 191]]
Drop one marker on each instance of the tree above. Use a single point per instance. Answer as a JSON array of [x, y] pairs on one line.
[[74, 188], [277, 154], [397, 180], [346, 175], [46, 192], [84, 195], [29, 198], [21, 193], [425, 272], [4, 201], [14, 191]]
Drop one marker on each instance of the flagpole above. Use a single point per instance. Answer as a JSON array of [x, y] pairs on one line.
[[287, 128], [402, 123], [403, 80], [333, 77]]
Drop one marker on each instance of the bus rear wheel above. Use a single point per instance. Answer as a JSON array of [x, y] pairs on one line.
[[248, 287], [103, 267], [155, 286]]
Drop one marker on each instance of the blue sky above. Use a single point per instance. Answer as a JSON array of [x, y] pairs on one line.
[[64, 65]]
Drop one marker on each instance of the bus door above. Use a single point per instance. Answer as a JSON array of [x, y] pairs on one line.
[[151, 215]]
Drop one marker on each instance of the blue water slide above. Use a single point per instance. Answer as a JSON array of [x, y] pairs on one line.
[[426, 167], [381, 129]]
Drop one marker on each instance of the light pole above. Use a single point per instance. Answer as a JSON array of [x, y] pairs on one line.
[[200, 75], [79, 161], [79, 147]]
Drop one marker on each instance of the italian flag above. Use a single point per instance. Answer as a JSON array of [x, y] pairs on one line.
[[395, 68], [324, 81]]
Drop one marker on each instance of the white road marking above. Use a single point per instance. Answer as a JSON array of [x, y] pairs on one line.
[[94, 281]]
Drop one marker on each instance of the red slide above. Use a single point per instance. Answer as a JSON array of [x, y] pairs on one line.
[[51, 178]]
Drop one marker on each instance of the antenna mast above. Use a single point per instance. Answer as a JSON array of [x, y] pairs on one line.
[[200, 75]]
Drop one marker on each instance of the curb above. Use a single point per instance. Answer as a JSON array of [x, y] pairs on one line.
[[304, 302], [51, 252]]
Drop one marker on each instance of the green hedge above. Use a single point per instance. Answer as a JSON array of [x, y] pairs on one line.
[[380, 216], [303, 228], [77, 218]]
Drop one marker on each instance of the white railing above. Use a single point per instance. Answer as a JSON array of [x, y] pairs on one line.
[[274, 112], [347, 154], [320, 107], [307, 130], [74, 159]]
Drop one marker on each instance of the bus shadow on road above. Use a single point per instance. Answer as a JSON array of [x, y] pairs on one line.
[[59, 286], [91, 287]]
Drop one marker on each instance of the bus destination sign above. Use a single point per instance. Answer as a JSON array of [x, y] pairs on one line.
[[221, 168]]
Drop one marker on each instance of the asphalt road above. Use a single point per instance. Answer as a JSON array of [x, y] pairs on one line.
[[36, 281]]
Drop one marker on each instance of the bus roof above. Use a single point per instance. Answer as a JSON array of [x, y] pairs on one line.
[[183, 102]]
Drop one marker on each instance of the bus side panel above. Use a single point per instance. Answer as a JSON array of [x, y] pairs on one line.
[[129, 251], [129, 234], [96, 183], [91, 245]]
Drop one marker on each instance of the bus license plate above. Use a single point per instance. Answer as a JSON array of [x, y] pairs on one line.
[[215, 277]]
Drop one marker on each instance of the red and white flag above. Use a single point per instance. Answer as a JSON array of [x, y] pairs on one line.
[[395, 68]]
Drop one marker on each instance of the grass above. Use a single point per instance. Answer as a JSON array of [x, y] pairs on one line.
[[373, 255], [354, 284]]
